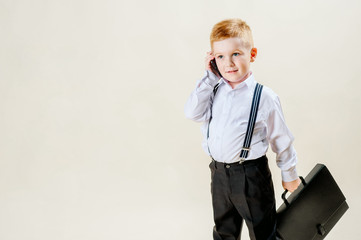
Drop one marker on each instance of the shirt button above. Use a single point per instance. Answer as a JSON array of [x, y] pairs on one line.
[[227, 166]]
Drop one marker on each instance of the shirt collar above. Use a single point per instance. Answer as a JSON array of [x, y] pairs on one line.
[[249, 82]]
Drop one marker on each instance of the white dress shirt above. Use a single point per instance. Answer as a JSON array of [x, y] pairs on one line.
[[230, 114]]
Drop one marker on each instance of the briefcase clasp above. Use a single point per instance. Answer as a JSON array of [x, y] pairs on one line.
[[321, 229]]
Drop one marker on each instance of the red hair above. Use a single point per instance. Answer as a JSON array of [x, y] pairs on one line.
[[230, 28]]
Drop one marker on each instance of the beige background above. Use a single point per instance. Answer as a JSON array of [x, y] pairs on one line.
[[93, 140]]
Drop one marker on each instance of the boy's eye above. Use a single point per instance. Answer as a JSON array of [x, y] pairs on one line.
[[220, 57], [236, 54]]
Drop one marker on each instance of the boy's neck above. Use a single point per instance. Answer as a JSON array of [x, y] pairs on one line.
[[235, 84]]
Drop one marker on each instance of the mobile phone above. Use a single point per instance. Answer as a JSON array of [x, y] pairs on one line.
[[215, 68]]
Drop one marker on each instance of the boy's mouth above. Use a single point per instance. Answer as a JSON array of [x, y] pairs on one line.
[[233, 71]]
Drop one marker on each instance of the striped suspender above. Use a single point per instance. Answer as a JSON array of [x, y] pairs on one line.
[[251, 121], [210, 118]]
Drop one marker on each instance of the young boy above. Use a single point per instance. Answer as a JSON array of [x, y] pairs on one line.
[[241, 188]]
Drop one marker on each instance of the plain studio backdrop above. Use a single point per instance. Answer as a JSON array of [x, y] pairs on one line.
[[94, 144]]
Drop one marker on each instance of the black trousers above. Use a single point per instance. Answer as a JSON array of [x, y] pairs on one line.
[[243, 192]]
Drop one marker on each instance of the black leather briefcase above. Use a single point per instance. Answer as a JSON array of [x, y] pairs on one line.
[[312, 210]]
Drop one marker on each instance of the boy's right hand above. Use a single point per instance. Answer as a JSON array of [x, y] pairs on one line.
[[208, 59]]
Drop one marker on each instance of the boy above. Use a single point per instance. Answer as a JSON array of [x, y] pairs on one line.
[[241, 188]]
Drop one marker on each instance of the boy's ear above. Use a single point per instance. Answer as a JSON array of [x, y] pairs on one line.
[[253, 54]]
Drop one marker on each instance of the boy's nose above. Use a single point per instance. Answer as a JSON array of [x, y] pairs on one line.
[[230, 63]]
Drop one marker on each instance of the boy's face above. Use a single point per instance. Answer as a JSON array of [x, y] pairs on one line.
[[233, 59]]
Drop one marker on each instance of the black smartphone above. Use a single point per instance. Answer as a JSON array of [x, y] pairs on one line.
[[215, 68]]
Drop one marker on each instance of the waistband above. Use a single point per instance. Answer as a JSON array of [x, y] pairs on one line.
[[245, 163]]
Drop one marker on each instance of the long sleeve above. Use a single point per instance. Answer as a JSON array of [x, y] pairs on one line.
[[198, 104], [281, 139]]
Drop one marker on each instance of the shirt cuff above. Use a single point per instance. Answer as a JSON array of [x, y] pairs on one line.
[[289, 175], [210, 78]]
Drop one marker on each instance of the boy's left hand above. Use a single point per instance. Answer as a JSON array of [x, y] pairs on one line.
[[291, 186]]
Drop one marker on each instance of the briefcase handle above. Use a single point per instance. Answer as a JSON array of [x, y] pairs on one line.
[[286, 191]]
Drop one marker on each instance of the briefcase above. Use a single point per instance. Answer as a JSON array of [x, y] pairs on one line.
[[312, 210]]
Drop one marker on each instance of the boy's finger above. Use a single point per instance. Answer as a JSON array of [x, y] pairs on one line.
[[210, 53], [208, 59]]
